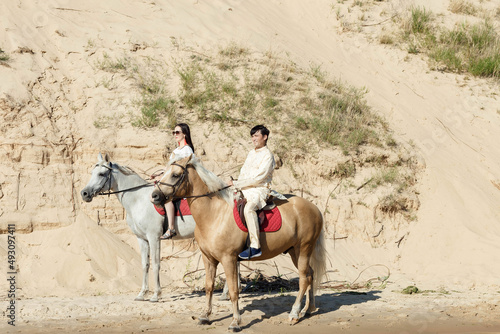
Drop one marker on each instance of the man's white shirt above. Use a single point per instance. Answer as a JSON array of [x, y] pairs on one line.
[[257, 171]]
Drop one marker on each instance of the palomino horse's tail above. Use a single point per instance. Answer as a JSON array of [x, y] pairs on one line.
[[318, 261]]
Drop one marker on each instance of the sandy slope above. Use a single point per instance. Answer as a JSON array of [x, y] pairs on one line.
[[452, 120]]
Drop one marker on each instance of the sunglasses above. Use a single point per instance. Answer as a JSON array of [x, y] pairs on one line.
[[176, 132]]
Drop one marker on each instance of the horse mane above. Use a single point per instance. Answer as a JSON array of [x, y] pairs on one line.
[[212, 181], [125, 170]]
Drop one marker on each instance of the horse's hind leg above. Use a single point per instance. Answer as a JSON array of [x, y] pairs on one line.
[[294, 257], [210, 271], [225, 291], [310, 305], [144, 246], [305, 281]]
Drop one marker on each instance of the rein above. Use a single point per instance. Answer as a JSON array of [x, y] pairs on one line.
[[125, 190], [204, 195]]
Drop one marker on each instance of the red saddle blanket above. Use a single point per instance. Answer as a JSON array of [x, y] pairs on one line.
[[183, 206], [271, 221]]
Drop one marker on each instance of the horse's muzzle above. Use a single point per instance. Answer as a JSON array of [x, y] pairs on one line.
[[86, 195], [158, 198]]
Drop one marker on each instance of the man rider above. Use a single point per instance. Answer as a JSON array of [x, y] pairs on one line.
[[255, 184]]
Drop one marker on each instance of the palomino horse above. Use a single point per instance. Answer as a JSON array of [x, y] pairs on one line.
[[220, 240], [147, 225]]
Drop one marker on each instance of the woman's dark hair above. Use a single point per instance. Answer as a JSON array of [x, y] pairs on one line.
[[185, 130], [263, 131]]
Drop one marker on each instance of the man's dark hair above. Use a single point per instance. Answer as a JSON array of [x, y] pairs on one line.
[[263, 131]]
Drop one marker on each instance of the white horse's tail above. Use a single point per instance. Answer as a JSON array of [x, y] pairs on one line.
[[318, 261]]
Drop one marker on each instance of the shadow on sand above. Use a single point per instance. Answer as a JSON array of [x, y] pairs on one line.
[[280, 305]]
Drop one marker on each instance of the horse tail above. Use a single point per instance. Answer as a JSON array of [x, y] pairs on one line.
[[318, 261]]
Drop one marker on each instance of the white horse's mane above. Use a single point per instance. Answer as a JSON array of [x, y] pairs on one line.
[[212, 181], [125, 169]]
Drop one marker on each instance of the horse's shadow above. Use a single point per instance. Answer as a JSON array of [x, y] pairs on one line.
[[281, 304]]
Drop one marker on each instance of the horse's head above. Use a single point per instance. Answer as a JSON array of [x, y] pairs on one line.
[[100, 178], [171, 182]]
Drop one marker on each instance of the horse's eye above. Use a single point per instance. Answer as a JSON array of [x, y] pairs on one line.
[[176, 176]]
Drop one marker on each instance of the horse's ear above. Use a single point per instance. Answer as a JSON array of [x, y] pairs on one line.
[[188, 159], [106, 157], [99, 157]]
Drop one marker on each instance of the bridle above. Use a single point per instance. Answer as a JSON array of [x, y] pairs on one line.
[[177, 184], [108, 179], [174, 186]]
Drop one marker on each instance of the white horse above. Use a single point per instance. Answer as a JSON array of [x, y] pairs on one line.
[[133, 192]]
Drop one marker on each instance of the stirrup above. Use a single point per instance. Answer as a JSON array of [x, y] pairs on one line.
[[169, 234]]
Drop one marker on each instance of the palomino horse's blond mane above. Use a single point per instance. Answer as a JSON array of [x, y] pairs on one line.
[[212, 181]]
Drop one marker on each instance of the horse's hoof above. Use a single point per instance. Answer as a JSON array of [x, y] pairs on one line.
[[154, 300], [293, 321], [204, 321], [139, 299], [234, 329]]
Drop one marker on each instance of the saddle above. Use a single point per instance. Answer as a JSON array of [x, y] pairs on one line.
[[269, 216]]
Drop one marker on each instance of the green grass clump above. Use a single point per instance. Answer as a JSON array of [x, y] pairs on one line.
[[109, 64], [345, 170], [210, 93], [341, 117], [157, 107], [472, 48], [409, 290], [233, 50], [152, 108], [419, 22], [3, 56]]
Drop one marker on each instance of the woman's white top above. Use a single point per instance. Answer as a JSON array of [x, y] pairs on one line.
[[181, 152]]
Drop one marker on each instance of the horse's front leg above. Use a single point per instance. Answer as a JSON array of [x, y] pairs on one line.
[[210, 271], [231, 268], [155, 247], [144, 246]]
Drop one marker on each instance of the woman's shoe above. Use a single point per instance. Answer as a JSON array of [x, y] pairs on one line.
[[168, 235]]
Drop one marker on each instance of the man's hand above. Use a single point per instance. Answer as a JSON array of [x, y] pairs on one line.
[[230, 182]]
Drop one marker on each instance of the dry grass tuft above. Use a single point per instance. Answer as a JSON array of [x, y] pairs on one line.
[[463, 7]]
